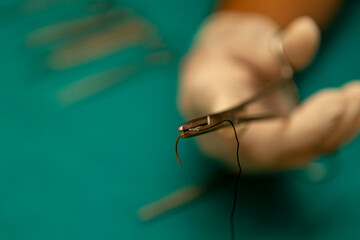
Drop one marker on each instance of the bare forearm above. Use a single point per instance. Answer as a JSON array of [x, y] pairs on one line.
[[284, 11]]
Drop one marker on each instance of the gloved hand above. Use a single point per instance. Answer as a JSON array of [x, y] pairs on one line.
[[213, 79]]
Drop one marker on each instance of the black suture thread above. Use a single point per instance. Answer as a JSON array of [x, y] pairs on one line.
[[237, 181], [232, 227]]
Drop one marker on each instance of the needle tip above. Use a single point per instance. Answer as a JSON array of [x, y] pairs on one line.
[[176, 153]]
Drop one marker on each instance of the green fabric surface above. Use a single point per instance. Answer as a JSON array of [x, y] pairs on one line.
[[82, 172]]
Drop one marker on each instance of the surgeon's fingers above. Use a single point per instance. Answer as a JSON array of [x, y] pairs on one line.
[[350, 121], [259, 40], [290, 143], [300, 41]]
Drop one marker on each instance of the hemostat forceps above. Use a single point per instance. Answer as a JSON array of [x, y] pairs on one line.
[[236, 115]]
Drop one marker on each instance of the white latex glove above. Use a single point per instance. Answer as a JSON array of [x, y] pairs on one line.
[[213, 80]]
